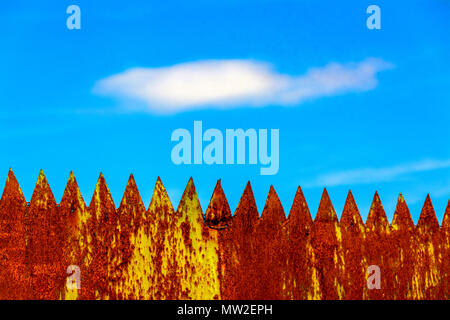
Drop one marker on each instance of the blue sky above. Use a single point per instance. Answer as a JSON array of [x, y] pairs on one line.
[[387, 130]]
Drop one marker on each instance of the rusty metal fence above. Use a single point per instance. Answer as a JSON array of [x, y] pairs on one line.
[[161, 253]]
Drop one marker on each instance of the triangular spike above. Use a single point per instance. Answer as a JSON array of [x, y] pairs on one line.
[[299, 213], [428, 221], [326, 212], [402, 217], [12, 189], [446, 220], [42, 192], [273, 210], [131, 195], [102, 203], [350, 215], [72, 195], [246, 208], [160, 197], [218, 213], [189, 194], [377, 220]]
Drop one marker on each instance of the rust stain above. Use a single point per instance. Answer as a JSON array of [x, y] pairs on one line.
[[218, 213]]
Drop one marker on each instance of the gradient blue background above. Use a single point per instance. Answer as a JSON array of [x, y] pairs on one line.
[[50, 118]]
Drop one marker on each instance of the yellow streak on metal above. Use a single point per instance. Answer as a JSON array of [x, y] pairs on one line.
[[196, 249], [79, 241]]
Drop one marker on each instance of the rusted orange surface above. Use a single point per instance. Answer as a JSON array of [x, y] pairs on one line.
[[326, 240], [45, 243], [355, 263], [269, 254], [102, 223], [238, 278], [160, 253], [14, 275], [378, 249], [299, 271], [427, 254], [403, 241]]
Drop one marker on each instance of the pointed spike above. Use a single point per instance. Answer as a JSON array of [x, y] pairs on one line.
[[218, 213], [273, 209], [102, 203], [351, 216], [247, 204], [160, 197], [428, 221], [42, 191], [299, 213], [131, 195], [377, 220], [12, 189], [72, 197], [402, 217], [326, 212]]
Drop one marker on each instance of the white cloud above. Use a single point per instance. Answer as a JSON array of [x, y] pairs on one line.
[[231, 83], [372, 175]]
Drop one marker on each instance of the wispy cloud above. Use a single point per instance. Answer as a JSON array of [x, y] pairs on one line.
[[372, 175], [231, 83]]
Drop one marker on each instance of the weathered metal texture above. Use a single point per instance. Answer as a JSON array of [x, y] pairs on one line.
[[164, 278], [377, 249], [102, 222], [196, 250], [269, 254], [130, 254], [159, 253], [238, 275], [45, 243], [326, 240], [427, 253], [403, 242], [218, 214], [355, 263], [77, 237], [14, 274], [301, 278]]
